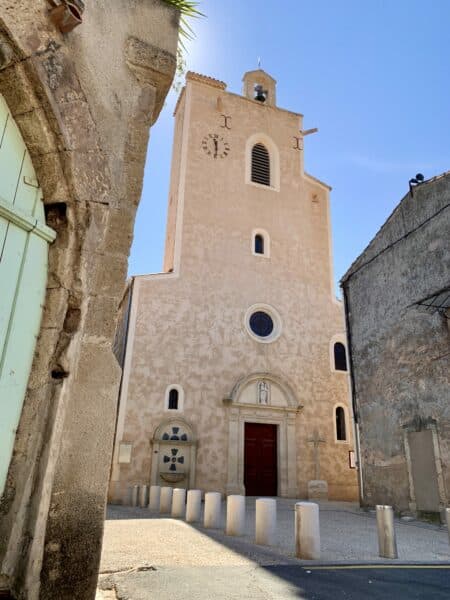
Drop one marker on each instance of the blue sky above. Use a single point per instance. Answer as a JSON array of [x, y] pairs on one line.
[[372, 75]]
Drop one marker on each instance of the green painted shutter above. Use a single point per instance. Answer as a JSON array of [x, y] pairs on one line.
[[24, 240]]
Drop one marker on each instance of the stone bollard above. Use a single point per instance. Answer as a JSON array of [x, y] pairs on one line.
[[134, 495], [266, 521], [307, 530], [213, 502], [128, 499], [447, 518], [178, 503], [143, 496], [386, 533], [165, 505], [194, 506], [235, 515], [155, 497]]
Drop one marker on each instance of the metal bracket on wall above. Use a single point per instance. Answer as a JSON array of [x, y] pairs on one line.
[[438, 302], [26, 221], [66, 14], [31, 181], [226, 121]]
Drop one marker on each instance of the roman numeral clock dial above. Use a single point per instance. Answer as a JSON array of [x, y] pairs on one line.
[[215, 146]]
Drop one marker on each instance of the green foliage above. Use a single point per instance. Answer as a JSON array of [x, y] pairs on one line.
[[188, 9], [180, 71]]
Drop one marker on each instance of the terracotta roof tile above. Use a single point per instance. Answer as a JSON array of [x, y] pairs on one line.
[[192, 76]]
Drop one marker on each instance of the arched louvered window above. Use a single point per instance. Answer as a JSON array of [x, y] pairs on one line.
[[260, 165], [173, 399], [259, 244], [341, 434], [340, 358]]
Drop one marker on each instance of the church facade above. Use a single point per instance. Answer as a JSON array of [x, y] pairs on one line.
[[235, 370]]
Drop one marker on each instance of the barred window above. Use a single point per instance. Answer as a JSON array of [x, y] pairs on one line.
[[260, 165]]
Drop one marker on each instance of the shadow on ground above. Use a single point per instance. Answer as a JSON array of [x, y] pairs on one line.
[[167, 558]]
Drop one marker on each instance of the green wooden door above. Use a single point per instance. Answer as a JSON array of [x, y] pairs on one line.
[[24, 240]]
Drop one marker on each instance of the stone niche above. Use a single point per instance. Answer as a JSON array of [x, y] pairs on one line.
[[263, 391], [174, 454]]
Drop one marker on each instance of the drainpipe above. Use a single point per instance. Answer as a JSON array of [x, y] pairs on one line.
[[353, 392]]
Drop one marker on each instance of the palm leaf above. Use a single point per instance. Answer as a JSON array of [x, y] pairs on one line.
[[188, 9]]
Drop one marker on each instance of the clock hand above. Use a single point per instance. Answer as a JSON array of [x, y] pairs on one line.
[[216, 147]]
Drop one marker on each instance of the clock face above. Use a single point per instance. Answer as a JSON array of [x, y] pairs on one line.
[[214, 145]]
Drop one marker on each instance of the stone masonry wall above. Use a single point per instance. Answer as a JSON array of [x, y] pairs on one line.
[[400, 349], [84, 102]]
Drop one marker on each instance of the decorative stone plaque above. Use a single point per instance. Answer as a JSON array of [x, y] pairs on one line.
[[173, 459]]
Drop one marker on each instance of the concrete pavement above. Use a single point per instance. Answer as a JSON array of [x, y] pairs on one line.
[[282, 582], [147, 556]]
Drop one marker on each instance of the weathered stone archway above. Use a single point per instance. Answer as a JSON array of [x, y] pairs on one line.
[[84, 114]]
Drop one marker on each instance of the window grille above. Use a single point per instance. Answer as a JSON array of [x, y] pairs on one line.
[[260, 165]]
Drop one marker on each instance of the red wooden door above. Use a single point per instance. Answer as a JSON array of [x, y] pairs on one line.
[[260, 459]]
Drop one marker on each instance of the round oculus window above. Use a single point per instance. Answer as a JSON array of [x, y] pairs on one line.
[[261, 324]]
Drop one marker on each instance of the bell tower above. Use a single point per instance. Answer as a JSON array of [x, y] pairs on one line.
[[260, 86]]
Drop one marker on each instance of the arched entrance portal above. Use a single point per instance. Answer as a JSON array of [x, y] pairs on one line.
[[24, 240], [262, 445]]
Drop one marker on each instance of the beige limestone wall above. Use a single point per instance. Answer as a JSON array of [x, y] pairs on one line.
[[169, 254], [188, 328]]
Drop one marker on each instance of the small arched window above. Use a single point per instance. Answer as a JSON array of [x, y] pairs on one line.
[[341, 433], [259, 244], [340, 357], [173, 399], [260, 165]]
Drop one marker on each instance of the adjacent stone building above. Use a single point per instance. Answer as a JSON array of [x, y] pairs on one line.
[[75, 110], [235, 376], [397, 298]]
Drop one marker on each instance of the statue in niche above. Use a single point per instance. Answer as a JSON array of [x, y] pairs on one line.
[[263, 392]]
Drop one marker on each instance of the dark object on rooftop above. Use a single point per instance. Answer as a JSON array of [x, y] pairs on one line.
[[419, 178]]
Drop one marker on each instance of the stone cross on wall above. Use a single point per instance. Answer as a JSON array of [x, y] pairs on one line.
[[316, 440]]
